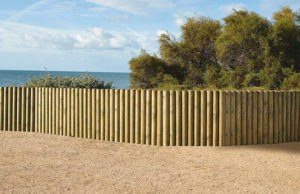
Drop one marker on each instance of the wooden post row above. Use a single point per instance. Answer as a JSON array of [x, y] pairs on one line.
[[154, 117]]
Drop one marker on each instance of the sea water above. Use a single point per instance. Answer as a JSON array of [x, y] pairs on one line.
[[17, 78]]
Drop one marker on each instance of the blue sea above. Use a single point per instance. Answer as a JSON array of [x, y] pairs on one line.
[[17, 78]]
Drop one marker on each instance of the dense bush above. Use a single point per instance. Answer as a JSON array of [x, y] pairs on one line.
[[245, 51], [82, 81], [291, 82]]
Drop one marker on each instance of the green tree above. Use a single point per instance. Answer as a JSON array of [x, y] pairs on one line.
[[286, 38], [248, 50], [195, 51], [243, 44], [146, 70], [284, 55]]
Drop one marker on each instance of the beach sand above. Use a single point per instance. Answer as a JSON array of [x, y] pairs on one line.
[[41, 163]]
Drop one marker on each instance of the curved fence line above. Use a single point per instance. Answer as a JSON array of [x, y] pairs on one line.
[[154, 117]]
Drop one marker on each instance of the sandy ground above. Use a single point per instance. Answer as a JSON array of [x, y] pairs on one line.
[[40, 163]]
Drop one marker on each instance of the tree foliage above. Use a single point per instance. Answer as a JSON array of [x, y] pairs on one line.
[[246, 51], [146, 71]]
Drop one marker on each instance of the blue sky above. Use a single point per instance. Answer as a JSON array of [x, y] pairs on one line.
[[100, 35]]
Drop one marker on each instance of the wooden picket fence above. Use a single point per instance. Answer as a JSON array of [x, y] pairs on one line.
[[154, 117]]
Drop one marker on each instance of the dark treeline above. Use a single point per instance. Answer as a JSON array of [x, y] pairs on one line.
[[244, 51]]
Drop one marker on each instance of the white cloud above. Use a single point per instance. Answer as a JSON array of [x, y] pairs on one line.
[[137, 7], [180, 17], [227, 9], [17, 36]]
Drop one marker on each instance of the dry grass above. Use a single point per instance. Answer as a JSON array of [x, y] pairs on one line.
[[41, 163]]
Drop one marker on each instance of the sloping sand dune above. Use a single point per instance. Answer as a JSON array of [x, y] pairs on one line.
[[36, 163]]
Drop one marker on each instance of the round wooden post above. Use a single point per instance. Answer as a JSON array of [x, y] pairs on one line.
[[14, 103], [178, 117], [40, 108], [80, 112], [232, 118], [148, 117], [127, 116], [228, 119], [46, 110], [271, 118], [52, 104], [284, 119], [9, 110], [276, 118], [37, 110], [5, 103], [68, 112], [76, 107], [280, 117], [23, 126], [154, 118], [203, 118], [244, 117], [190, 118], [117, 115], [107, 107], [103, 121], [19, 109], [61, 111], [215, 118], [221, 118], [197, 118], [159, 118], [209, 117], [111, 115], [85, 114], [132, 116], [65, 112], [50, 111], [297, 118], [254, 118], [93, 118], [72, 112], [98, 114], [288, 116], [122, 115], [184, 113], [32, 110], [143, 116], [293, 104], [260, 113], [57, 114], [13, 119], [89, 113], [27, 111], [137, 116], [1, 108], [166, 118], [249, 117], [172, 118], [266, 120]]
